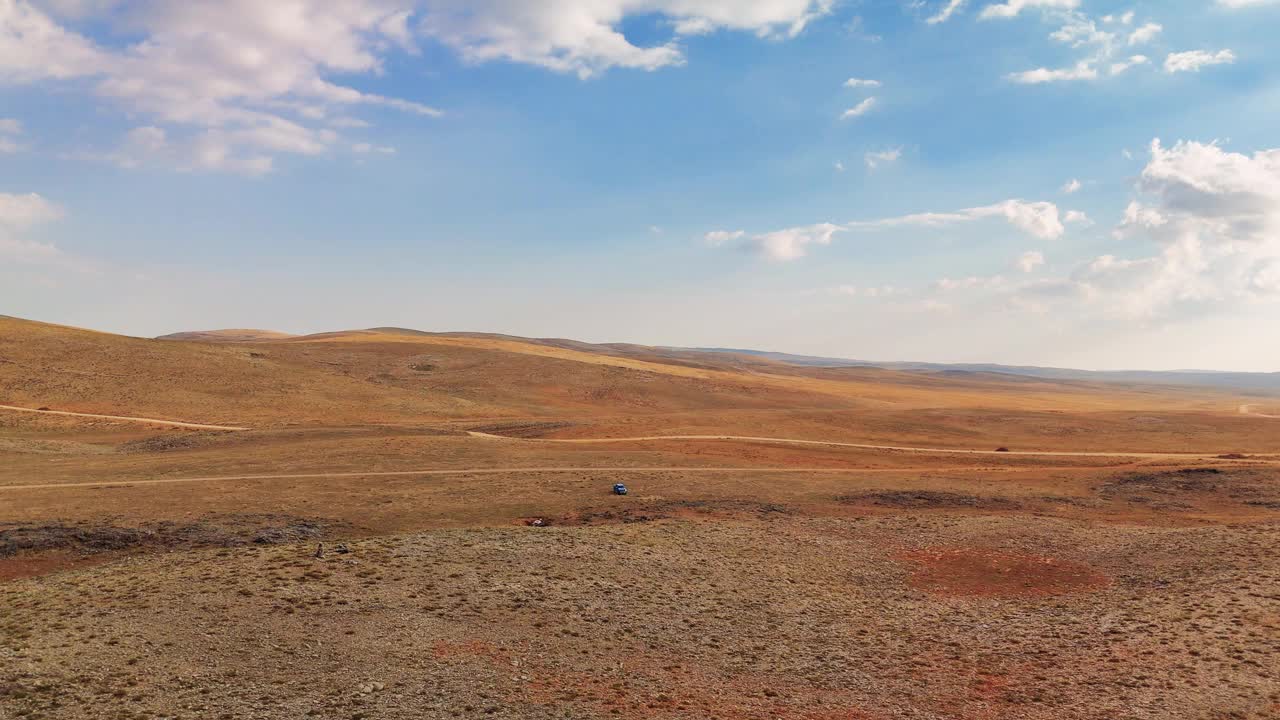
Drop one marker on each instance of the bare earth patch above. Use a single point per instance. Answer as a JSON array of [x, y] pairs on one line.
[[977, 572]]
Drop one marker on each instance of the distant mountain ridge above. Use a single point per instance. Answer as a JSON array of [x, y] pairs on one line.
[[1251, 381], [1201, 378]]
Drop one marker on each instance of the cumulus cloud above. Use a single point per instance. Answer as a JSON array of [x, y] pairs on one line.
[[1072, 186], [1030, 260], [1214, 218], [1011, 8], [716, 238], [947, 284], [1201, 235], [1145, 34], [1120, 66], [1193, 60], [944, 14], [859, 110], [1125, 18], [236, 82], [1039, 219], [10, 129], [584, 37], [242, 80], [19, 213], [1079, 30], [364, 148], [861, 83], [874, 291], [794, 243], [215, 149], [1083, 70], [1076, 217], [883, 157]]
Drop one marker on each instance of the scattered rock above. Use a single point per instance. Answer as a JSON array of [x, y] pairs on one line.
[[928, 499], [211, 530]]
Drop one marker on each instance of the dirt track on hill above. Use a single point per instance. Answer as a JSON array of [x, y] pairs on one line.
[[151, 421], [861, 446], [558, 470], [1247, 409]]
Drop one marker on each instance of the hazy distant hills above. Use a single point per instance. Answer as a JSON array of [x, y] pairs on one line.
[[1200, 378], [1255, 382]]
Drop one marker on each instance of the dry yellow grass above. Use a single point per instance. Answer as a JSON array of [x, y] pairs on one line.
[[171, 572]]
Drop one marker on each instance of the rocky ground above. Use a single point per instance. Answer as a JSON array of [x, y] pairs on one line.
[[740, 613]]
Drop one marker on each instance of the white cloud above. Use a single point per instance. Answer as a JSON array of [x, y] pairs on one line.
[[1145, 34], [245, 80], [19, 213], [1084, 70], [1072, 186], [9, 130], [1040, 219], [1079, 30], [1030, 260], [240, 81], [1076, 217], [716, 238], [793, 243], [583, 36], [1193, 60], [1132, 61], [860, 83], [944, 14], [213, 150], [1214, 217], [883, 157], [1011, 8], [1237, 4], [972, 282], [859, 110], [364, 148], [839, 166], [875, 291]]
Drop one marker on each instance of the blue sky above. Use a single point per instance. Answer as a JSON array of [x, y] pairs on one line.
[[693, 172]]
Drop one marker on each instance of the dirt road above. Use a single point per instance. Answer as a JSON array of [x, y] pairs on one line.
[[150, 421], [558, 470], [1248, 410], [862, 446]]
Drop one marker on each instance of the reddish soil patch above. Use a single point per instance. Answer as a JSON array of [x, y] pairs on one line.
[[978, 572], [672, 692], [628, 512], [30, 565], [449, 650]]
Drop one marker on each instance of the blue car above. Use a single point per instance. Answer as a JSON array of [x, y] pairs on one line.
[[619, 489]]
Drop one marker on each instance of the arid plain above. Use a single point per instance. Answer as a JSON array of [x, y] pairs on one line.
[[798, 542]]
